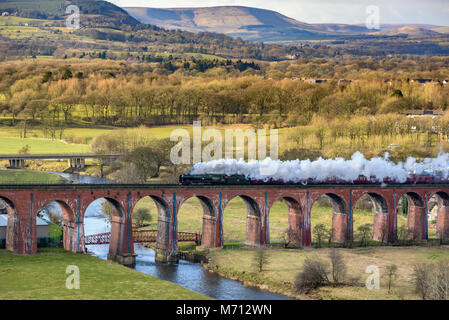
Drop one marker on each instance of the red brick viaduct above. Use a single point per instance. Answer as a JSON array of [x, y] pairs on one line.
[[25, 201]]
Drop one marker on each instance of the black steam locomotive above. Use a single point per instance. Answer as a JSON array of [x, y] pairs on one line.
[[212, 179]]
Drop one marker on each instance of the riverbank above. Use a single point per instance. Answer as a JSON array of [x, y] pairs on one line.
[[43, 276], [283, 265]]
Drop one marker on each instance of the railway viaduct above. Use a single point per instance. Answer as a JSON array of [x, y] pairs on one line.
[[24, 201]]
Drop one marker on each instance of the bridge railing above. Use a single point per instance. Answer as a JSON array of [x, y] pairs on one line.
[[141, 236], [100, 238]]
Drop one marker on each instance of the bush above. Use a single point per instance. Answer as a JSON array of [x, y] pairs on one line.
[[313, 276], [141, 215], [322, 233], [432, 280], [292, 238], [364, 234], [260, 259]]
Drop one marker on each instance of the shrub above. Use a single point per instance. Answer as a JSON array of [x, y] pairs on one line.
[[364, 233], [141, 215], [432, 280], [292, 238], [322, 233], [260, 259], [313, 276]]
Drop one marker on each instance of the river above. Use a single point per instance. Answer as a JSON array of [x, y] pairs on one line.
[[187, 274]]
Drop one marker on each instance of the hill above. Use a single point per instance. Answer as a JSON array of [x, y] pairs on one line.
[[93, 13], [441, 29], [245, 22], [410, 31], [37, 28]]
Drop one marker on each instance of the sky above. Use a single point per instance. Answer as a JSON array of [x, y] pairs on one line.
[[434, 12]]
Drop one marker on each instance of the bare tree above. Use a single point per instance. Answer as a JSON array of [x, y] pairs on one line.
[[391, 273], [260, 259], [338, 266]]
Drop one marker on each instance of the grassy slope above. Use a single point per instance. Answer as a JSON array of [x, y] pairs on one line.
[[11, 145], [283, 266], [29, 177], [43, 276]]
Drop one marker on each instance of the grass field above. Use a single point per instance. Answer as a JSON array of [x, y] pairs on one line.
[[283, 266], [43, 276], [12, 145], [19, 176]]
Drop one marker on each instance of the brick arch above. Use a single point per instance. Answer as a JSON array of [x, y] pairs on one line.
[[416, 216], [441, 196], [120, 240], [413, 198], [67, 211], [339, 215], [13, 225], [442, 225], [206, 203], [69, 226], [379, 203], [10, 204], [210, 223], [165, 236], [253, 218], [337, 202], [381, 217], [295, 230], [251, 204]]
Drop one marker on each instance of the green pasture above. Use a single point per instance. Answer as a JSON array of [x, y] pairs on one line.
[[43, 276]]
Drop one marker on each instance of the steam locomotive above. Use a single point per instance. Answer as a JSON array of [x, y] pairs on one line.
[[428, 177]]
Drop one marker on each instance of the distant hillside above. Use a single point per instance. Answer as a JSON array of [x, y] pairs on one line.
[[441, 29], [93, 13], [248, 23], [33, 28], [411, 31]]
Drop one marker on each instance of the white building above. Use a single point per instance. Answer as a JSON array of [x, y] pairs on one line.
[[41, 225]]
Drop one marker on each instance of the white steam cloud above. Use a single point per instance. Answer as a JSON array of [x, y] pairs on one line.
[[321, 169]]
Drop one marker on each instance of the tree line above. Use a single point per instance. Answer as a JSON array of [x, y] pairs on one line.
[[56, 94]]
